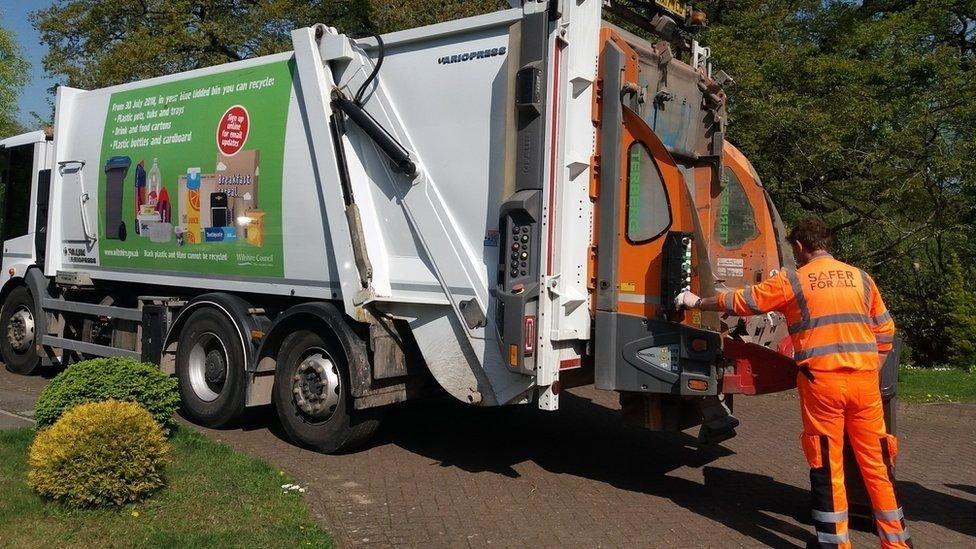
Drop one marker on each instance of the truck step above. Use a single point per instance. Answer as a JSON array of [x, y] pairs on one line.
[[718, 423]]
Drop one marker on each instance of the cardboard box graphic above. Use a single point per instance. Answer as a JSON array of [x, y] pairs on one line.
[[237, 177]]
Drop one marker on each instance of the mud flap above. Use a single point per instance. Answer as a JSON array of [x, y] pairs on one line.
[[857, 495]]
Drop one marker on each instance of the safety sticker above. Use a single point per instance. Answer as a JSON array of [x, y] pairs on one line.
[[731, 262], [730, 267], [491, 238]]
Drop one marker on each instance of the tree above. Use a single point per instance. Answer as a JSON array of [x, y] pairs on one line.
[[960, 302], [13, 76], [859, 112], [97, 43], [392, 15]]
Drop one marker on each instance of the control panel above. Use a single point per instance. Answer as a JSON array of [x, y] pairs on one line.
[[521, 252], [517, 290], [676, 271]]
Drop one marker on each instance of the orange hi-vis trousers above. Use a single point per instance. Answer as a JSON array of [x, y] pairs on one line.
[[833, 403]]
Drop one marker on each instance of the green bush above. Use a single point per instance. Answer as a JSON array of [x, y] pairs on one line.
[[122, 379], [961, 330], [100, 453]]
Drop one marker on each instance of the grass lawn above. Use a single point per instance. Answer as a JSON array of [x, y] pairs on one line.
[[928, 385], [216, 497]]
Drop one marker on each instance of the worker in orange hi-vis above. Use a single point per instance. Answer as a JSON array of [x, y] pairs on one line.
[[841, 334]]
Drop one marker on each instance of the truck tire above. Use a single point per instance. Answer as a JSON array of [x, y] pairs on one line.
[[210, 369], [18, 337], [311, 395]]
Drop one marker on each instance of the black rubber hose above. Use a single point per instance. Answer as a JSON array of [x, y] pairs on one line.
[[376, 69]]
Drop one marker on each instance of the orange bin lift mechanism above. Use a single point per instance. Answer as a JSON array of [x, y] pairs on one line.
[[640, 263]]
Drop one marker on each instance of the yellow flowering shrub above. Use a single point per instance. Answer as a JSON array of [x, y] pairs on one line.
[[99, 453]]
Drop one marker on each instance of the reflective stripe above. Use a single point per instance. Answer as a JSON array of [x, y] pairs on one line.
[[885, 338], [835, 348], [866, 282], [824, 537], [888, 536], [801, 300], [751, 300], [824, 516], [827, 320], [882, 318], [727, 297], [897, 514]]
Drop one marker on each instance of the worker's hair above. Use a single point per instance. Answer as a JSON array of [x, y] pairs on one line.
[[812, 233]]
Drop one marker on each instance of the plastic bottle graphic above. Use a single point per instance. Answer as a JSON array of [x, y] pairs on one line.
[[140, 189], [155, 183], [163, 206]]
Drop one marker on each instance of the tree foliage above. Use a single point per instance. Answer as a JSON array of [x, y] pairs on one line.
[[13, 76], [860, 113], [97, 43]]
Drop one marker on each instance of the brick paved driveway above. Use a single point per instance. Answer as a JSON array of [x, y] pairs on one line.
[[441, 474]]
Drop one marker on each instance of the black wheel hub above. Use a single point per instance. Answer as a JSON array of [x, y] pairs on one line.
[[312, 385], [215, 369]]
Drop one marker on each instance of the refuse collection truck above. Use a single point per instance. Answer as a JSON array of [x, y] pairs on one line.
[[496, 208]]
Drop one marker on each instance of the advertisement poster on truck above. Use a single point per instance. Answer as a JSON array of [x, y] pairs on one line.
[[191, 174]]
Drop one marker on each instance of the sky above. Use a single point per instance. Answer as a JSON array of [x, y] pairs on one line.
[[34, 96]]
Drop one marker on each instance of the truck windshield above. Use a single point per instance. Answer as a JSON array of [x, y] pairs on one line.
[[16, 168]]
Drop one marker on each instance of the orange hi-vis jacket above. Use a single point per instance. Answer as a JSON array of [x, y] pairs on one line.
[[835, 314]]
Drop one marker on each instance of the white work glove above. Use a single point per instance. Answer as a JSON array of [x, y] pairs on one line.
[[686, 300]]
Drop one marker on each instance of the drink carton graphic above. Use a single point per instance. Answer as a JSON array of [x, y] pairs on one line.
[[190, 206]]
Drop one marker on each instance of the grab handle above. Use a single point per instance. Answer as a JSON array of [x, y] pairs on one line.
[[83, 199]]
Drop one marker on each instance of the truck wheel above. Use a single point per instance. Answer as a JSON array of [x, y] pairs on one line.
[[17, 339], [210, 369], [312, 398]]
